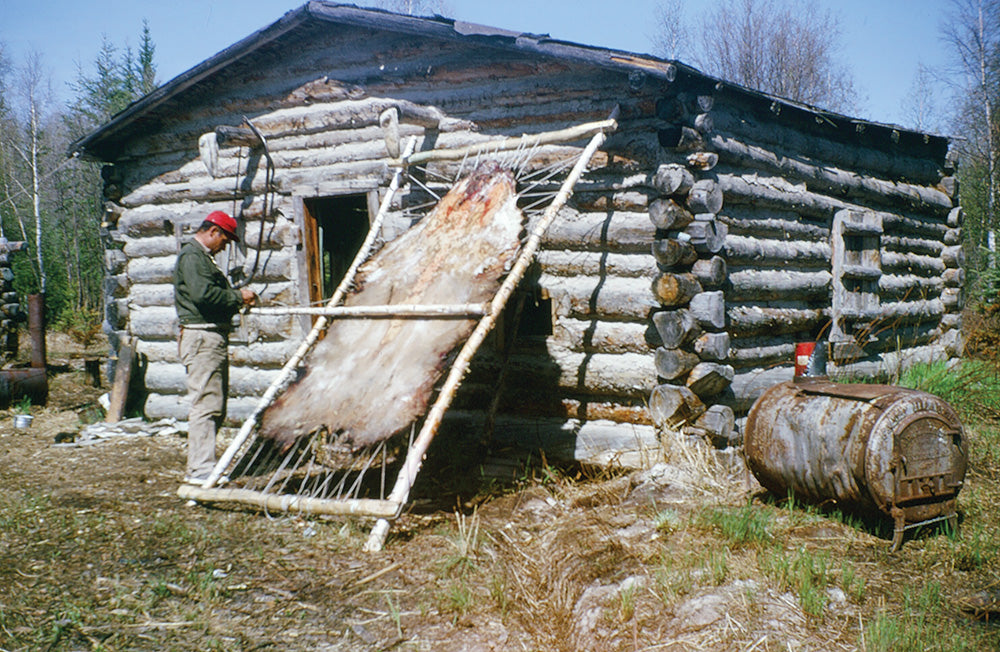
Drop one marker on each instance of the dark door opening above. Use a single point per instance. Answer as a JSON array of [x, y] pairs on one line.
[[335, 229]]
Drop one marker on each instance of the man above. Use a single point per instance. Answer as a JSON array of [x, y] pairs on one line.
[[206, 303]]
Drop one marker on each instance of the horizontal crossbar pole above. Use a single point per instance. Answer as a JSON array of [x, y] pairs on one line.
[[432, 310], [287, 503]]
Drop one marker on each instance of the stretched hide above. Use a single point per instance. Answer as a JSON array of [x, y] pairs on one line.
[[370, 378]]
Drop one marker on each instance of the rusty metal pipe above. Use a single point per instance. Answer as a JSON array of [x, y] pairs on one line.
[[36, 330], [898, 450]]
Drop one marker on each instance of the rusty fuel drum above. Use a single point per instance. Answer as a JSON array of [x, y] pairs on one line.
[[898, 450]]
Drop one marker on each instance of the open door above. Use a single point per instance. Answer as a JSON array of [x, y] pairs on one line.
[[334, 229]]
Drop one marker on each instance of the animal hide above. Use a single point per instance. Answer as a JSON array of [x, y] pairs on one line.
[[371, 378]]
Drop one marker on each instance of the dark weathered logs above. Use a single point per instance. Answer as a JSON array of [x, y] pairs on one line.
[[710, 272], [709, 309], [712, 346], [667, 214], [675, 289], [741, 249], [670, 252], [674, 363], [709, 378], [676, 327], [673, 179], [673, 405], [680, 138], [705, 197], [707, 234]]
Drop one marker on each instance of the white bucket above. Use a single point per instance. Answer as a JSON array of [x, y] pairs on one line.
[[23, 421]]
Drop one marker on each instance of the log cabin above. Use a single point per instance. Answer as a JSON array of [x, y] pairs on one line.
[[717, 227]]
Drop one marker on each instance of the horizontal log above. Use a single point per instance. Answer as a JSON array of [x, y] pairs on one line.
[[672, 179], [169, 378], [177, 406], [160, 323], [895, 314], [719, 425], [290, 503], [956, 217], [595, 336], [671, 364], [703, 161], [788, 141], [749, 384], [954, 277], [622, 200], [953, 256], [617, 233], [710, 272], [909, 287], [592, 374], [705, 197], [761, 351], [680, 138], [898, 263], [707, 234], [891, 363], [675, 289], [773, 223], [584, 297], [709, 309], [676, 328], [713, 347], [267, 355], [600, 443], [912, 245], [674, 405], [952, 299], [743, 250], [775, 285], [593, 263], [922, 226], [953, 237], [666, 214], [747, 321], [951, 320], [829, 179], [709, 379], [670, 252], [115, 262]]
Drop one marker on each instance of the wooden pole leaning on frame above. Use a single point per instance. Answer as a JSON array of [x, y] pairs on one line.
[[321, 324], [415, 455]]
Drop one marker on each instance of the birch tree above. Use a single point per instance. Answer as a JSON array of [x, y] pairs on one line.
[[775, 47], [972, 31]]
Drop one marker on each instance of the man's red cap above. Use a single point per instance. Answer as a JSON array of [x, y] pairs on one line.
[[224, 222]]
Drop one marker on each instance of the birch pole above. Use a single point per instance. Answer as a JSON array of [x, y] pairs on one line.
[[415, 455]]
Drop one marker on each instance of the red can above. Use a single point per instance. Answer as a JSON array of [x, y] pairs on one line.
[[803, 351]]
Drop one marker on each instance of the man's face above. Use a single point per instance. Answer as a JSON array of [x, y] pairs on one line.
[[217, 240]]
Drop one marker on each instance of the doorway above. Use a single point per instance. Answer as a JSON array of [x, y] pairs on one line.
[[335, 229]]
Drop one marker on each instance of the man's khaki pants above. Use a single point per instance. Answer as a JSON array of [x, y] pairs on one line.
[[204, 354]]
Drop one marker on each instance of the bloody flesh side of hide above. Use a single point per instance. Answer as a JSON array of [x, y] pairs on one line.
[[371, 378]]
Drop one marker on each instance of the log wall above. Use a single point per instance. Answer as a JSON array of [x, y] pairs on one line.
[[692, 257]]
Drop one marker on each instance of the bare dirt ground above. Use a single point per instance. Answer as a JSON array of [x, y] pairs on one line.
[[98, 553]]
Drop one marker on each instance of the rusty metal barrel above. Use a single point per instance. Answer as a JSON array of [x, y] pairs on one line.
[[898, 450]]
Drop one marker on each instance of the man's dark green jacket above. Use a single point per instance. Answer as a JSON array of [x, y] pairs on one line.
[[202, 293]]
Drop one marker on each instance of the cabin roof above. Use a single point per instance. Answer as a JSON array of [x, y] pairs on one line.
[[147, 112]]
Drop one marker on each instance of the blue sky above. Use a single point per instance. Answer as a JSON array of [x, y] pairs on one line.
[[884, 40]]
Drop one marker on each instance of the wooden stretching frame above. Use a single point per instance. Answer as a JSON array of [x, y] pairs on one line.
[[389, 509]]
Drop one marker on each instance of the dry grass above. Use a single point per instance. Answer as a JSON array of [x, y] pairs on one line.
[[98, 553]]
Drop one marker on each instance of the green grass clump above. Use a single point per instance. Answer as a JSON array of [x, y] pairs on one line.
[[746, 525]]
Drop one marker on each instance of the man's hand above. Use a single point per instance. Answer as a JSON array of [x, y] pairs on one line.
[[249, 297]]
